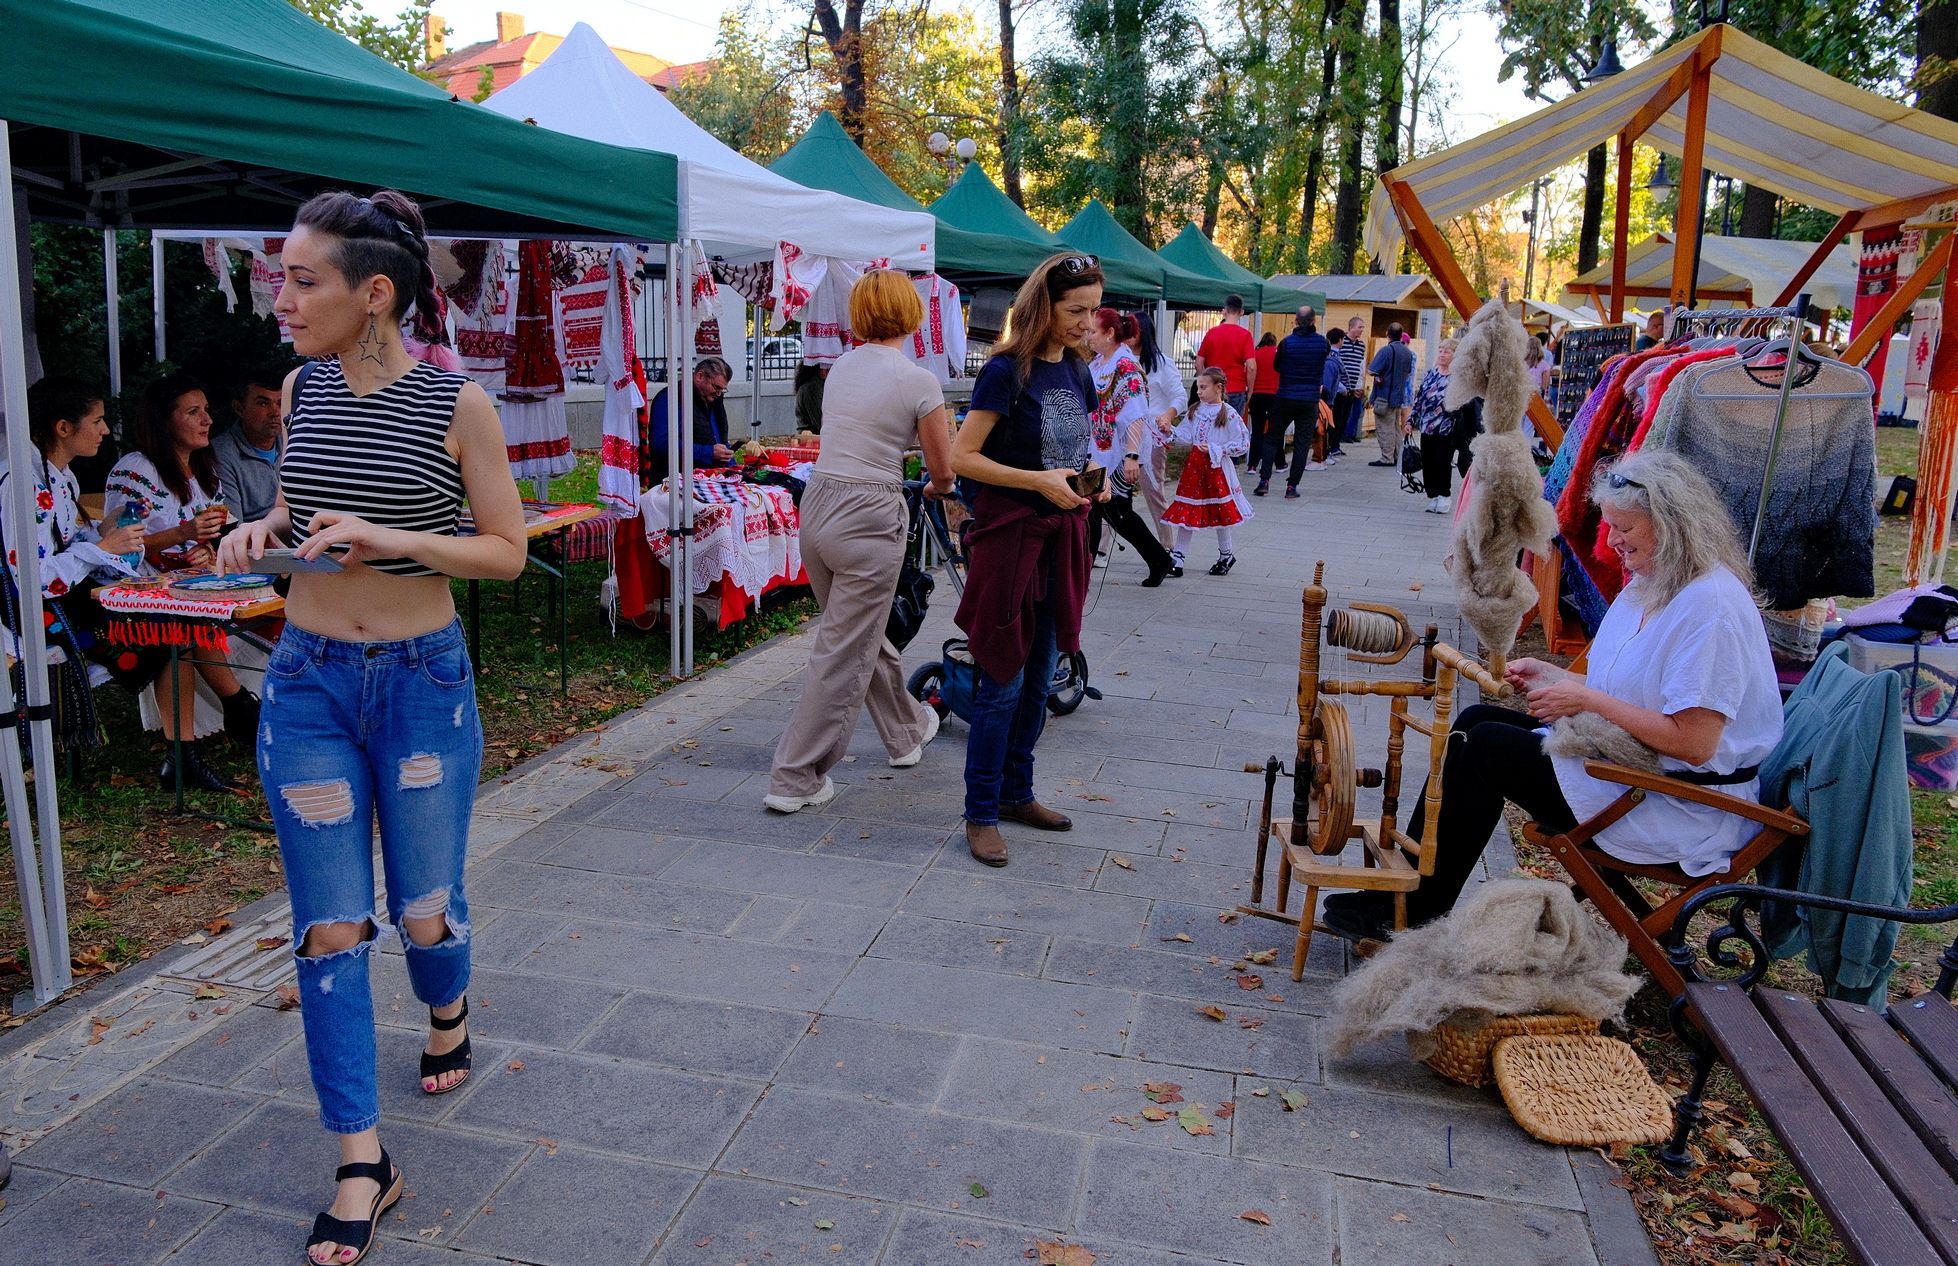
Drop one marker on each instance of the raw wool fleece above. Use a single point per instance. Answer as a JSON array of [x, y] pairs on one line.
[[1590, 737], [1506, 512], [1510, 947]]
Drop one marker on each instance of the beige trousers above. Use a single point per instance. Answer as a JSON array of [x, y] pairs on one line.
[[853, 547]]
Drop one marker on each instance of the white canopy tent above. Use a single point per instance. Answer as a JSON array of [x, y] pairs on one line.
[[1745, 271], [733, 206]]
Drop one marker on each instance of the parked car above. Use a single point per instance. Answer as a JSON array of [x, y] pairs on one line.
[[777, 347]]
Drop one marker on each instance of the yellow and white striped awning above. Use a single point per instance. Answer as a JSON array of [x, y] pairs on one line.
[[1771, 121]]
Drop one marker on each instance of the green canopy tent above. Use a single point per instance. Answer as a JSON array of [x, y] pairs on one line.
[[826, 158], [975, 204], [227, 114], [1095, 229], [1192, 251]]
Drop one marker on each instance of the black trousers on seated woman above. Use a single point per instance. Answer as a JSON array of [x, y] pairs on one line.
[[1493, 756]]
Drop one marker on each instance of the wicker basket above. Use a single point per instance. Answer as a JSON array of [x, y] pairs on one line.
[[1581, 1091], [1462, 1055]]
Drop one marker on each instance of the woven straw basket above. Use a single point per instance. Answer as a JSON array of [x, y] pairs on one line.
[[1462, 1055], [1581, 1091]]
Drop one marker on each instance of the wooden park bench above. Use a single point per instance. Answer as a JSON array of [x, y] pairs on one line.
[[1864, 1101]]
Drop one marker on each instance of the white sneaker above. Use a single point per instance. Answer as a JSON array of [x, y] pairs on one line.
[[917, 753], [816, 800], [1315, 465], [1101, 560], [1444, 504], [1434, 505]]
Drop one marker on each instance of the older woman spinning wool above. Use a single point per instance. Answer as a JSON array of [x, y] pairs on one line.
[[1680, 664]]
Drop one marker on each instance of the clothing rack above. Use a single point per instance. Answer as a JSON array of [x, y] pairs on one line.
[[1682, 325]]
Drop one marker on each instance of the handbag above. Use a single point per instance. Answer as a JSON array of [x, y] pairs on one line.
[[1411, 466]]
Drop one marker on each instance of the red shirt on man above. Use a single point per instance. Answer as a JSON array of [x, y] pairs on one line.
[[1227, 346]]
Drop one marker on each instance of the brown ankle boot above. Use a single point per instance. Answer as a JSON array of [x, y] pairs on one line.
[[1035, 814], [986, 843]]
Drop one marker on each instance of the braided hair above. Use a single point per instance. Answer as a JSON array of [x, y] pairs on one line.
[[382, 236]]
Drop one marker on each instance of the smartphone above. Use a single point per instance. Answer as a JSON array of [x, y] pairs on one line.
[[1088, 482], [280, 562]]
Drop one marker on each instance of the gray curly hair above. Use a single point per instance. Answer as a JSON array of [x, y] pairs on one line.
[[1692, 529]]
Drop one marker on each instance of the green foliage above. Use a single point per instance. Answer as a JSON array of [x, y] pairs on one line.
[[1552, 51], [70, 315], [1110, 113], [1869, 43], [485, 85], [755, 99], [400, 41]]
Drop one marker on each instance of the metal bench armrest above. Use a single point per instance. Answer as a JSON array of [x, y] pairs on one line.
[[1750, 897]]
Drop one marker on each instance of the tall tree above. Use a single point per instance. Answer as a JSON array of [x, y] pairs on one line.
[[1112, 115], [1009, 106], [844, 35], [402, 41], [1352, 104], [1393, 70], [1552, 51], [1330, 14]]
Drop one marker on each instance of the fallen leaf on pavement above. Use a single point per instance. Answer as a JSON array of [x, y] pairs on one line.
[[288, 997], [1058, 1254], [1193, 1121], [1264, 957], [1256, 1215], [271, 942], [1155, 1114], [1162, 1091], [970, 1243], [825, 1224], [207, 991], [217, 927], [1294, 1099], [99, 1028], [797, 1200], [1741, 1181], [1169, 813], [1228, 916], [1121, 861], [1185, 937], [1216, 1013], [95, 899], [142, 1028], [1250, 982], [1263, 1092], [1246, 1022], [1225, 1109], [1400, 1217], [979, 1192], [515, 1065], [1738, 1232]]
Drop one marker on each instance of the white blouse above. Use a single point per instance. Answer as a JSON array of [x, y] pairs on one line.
[[1167, 390], [69, 553], [1705, 649], [135, 481]]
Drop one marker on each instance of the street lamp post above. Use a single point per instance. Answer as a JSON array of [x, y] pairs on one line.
[[954, 154]]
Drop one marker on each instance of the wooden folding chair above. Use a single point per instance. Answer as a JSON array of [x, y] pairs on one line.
[[1607, 882]]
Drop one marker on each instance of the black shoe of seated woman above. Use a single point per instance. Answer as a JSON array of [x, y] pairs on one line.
[[198, 776], [241, 718], [1359, 925]]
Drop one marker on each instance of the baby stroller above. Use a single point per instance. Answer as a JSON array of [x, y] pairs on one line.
[[949, 685]]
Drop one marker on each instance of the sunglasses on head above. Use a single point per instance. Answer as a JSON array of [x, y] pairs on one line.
[[1616, 481], [1075, 265]]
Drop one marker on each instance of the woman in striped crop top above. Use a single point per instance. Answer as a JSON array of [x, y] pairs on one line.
[[369, 707]]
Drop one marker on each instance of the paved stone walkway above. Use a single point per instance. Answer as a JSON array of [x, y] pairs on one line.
[[710, 1035]]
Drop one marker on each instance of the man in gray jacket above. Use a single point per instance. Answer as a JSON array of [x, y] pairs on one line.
[[248, 454]]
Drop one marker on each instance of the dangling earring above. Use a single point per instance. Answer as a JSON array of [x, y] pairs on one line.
[[372, 341]]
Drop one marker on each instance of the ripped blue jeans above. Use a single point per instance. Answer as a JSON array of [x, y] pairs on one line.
[[352, 732]]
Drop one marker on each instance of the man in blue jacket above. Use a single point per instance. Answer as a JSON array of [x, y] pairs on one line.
[[1301, 361], [710, 447]]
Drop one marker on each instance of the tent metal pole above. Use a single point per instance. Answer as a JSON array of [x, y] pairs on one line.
[[683, 292], [156, 296], [677, 490], [41, 885], [112, 309], [754, 375]]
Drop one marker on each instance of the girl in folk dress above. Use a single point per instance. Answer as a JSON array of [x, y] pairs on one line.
[[1208, 495]]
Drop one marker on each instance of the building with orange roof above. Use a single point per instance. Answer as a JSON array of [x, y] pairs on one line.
[[515, 53]]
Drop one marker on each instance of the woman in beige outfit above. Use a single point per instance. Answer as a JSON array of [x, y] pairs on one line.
[[853, 533]]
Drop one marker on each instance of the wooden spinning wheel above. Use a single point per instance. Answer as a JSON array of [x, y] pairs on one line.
[[1326, 777], [1329, 780]]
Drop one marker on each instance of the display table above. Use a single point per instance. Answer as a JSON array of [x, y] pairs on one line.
[[747, 540], [545, 527]]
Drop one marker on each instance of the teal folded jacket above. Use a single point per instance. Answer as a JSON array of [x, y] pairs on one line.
[[1840, 765]]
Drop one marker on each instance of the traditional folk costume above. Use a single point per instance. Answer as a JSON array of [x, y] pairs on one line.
[[1208, 494]]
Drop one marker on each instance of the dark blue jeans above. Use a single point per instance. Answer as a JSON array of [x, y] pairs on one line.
[[1007, 718]]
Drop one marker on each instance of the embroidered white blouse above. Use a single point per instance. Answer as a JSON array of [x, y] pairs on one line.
[[136, 481], [67, 544]]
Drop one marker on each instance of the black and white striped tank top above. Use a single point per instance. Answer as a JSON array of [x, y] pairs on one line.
[[380, 456]]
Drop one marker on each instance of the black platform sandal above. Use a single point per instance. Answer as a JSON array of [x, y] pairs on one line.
[[328, 1229], [451, 1061]]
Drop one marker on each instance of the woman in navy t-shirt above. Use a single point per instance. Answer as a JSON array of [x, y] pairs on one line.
[[1025, 439]]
